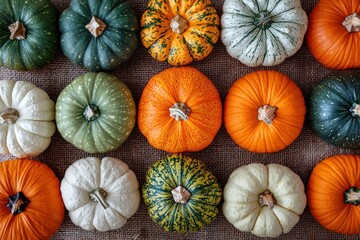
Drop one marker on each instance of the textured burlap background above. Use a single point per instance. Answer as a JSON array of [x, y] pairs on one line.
[[222, 156]]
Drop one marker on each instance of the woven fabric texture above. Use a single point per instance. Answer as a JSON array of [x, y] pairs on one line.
[[222, 156]]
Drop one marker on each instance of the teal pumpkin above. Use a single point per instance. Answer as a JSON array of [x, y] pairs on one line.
[[95, 112], [29, 35], [99, 34], [181, 193], [335, 109]]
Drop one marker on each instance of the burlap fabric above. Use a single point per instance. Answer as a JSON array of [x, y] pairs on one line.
[[222, 156]]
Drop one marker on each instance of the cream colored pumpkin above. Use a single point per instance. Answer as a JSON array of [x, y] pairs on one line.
[[100, 194], [264, 200], [26, 119]]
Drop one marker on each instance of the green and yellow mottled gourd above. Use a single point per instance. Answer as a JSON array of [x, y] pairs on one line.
[[181, 193]]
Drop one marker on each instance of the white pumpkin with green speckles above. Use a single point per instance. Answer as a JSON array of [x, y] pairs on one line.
[[258, 32]]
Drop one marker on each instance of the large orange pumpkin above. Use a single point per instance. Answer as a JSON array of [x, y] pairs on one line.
[[333, 33], [334, 193], [180, 110], [31, 206], [264, 111]]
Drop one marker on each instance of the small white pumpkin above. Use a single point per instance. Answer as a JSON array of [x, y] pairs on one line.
[[100, 194], [258, 32], [264, 200], [26, 119]]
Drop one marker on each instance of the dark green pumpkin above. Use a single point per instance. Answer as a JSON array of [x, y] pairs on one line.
[[161, 188], [29, 35], [95, 112], [99, 34], [335, 109]]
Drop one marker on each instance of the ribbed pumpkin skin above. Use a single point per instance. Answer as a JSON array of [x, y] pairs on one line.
[[117, 112], [45, 212], [188, 85], [329, 109], [40, 45], [325, 193], [256, 90], [179, 170], [115, 45], [330, 43], [195, 44]]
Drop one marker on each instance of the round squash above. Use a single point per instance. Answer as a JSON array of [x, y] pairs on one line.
[[28, 34], [334, 109], [181, 193], [179, 32], [333, 36], [26, 119], [264, 111], [30, 201], [95, 112], [264, 200], [100, 194], [99, 35], [180, 110], [333, 193], [263, 32]]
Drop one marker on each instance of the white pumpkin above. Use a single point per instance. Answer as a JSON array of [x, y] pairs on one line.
[[258, 32], [26, 119], [264, 200], [100, 194]]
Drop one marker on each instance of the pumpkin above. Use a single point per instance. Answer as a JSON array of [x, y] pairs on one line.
[[333, 193], [264, 111], [28, 34], [263, 32], [181, 193], [30, 201], [332, 36], [100, 194], [264, 200], [179, 110], [95, 112], [99, 34], [334, 109], [179, 32], [26, 119]]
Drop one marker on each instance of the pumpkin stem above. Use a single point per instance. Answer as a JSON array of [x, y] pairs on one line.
[[99, 195], [179, 24], [9, 116], [17, 203], [180, 195], [263, 20], [180, 111], [355, 110], [267, 199], [352, 196], [267, 114], [96, 26], [91, 112], [352, 23], [17, 30]]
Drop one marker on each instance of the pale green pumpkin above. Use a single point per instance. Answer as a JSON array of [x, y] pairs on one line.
[[95, 112]]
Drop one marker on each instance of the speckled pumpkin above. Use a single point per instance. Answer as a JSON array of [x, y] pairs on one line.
[[95, 112], [181, 193], [180, 32]]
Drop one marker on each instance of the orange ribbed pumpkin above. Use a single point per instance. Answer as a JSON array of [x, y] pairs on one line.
[[333, 193], [264, 111], [180, 110], [333, 33], [31, 206]]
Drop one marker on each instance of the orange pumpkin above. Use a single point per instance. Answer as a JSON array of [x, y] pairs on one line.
[[31, 206], [180, 110], [333, 193], [264, 111], [332, 34], [180, 32]]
